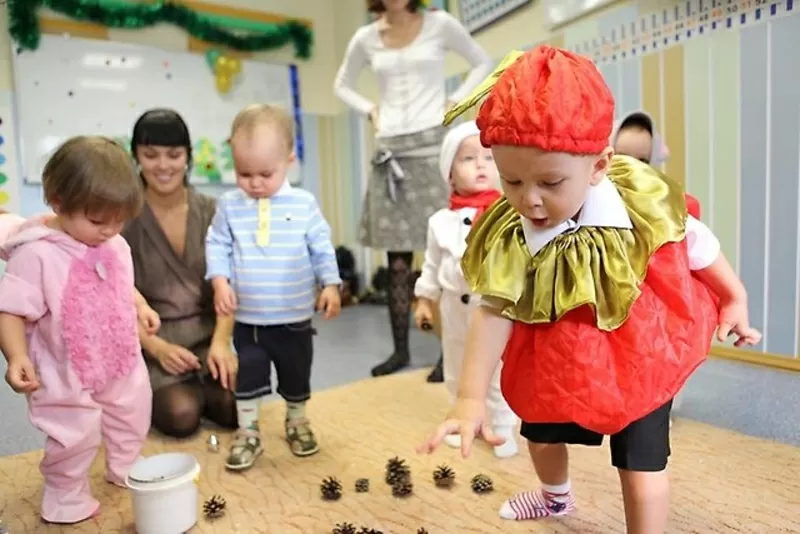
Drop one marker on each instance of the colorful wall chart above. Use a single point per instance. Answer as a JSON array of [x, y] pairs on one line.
[[9, 172]]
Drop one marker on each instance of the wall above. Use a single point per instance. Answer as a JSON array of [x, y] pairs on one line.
[[323, 120]]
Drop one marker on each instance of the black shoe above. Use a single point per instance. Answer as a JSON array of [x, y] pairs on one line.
[[437, 374], [394, 363]]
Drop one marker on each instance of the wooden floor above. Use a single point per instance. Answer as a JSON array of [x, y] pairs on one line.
[[721, 481]]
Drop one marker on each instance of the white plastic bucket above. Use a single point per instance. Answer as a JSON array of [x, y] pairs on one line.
[[164, 493]]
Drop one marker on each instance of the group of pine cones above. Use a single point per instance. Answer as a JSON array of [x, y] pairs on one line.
[[349, 528], [398, 476]]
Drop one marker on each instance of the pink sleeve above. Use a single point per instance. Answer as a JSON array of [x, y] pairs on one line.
[[9, 223], [21, 286]]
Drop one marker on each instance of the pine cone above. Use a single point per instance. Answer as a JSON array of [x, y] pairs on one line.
[[214, 507], [365, 530], [444, 476], [362, 485], [396, 465], [345, 528], [482, 484], [404, 488], [331, 489], [396, 477], [422, 530]]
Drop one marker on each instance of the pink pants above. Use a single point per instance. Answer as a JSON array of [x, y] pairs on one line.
[[75, 422]]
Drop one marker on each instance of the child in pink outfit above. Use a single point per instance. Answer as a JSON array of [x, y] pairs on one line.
[[68, 323]]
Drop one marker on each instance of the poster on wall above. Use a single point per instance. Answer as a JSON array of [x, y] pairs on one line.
[[9, 169], [477, 15]]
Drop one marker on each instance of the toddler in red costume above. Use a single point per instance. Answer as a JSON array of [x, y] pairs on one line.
[[600, 293]]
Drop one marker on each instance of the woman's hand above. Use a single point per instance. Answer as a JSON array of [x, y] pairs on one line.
[[223, 365], [175, 359], [373, 118]]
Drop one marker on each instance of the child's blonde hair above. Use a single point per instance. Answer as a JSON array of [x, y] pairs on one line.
[[93, 175], [255, 115]]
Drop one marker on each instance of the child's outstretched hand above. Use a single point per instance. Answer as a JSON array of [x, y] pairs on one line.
[[467, 418], [734, 319], [21, 376], [330, 302]]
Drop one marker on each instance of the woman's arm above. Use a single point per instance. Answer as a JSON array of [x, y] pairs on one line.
[[223, 331], [458, 39], [355, 59]]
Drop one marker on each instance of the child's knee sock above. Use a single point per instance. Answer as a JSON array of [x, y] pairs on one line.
[[247, 411], [295, 410]]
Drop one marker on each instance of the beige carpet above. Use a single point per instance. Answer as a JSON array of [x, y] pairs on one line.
[[721, 481]]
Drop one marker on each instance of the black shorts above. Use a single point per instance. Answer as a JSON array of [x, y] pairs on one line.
[[641, 446], [289, 347]]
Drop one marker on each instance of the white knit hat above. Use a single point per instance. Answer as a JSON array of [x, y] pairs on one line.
[[451, 143]]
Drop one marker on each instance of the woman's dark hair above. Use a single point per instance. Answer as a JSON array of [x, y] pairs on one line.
[[376, 6], [162, 127]]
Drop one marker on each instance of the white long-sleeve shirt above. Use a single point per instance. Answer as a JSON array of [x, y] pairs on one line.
[[411, 80], [447, 241]]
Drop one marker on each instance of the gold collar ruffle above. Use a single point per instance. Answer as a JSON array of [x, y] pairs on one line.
[[599, 266]]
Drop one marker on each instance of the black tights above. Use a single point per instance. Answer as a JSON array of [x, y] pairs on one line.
[[400, 293], [178, 408]]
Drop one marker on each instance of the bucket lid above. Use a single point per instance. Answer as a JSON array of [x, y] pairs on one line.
[[162, 467]]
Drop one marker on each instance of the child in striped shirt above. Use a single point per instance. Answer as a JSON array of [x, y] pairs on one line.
[[267, 251]]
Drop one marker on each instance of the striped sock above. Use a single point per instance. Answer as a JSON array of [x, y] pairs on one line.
[[539, 504]]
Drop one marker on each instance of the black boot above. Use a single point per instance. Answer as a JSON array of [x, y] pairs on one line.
[[399, 294], [437, 374]]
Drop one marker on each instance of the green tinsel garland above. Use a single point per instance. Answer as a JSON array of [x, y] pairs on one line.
[[24, 23]]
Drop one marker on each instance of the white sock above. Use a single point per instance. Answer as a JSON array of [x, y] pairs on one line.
[[247, 411], [295, 410], [510, 447], [560, 489]]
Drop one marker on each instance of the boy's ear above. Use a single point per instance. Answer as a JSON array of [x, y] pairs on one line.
[[601, 164], [292, 157]]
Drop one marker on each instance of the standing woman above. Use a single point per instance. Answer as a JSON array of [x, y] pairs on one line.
[[405, 48]]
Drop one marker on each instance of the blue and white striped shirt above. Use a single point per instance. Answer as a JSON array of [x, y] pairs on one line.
[[274, 283]]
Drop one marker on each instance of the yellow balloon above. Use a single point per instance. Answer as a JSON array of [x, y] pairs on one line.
[[224, 84], [235, 65], [222, 65], [4, 198]]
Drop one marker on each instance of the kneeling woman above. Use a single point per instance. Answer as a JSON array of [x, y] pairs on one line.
[[191, 361]]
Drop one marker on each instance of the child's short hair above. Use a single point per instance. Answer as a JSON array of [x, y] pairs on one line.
[[93, 175], [257, 114]]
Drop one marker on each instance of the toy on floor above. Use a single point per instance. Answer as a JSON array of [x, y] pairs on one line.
[[482, 484], [362, 485], [344, 528], [403, 488], [397, 471], [444, 476], [331, 489], [214, 507], [213, 443]]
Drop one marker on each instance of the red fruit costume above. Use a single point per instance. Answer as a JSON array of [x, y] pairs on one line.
[[608, 321]]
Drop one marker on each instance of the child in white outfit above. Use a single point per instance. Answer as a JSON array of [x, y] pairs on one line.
[[470, 170]]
